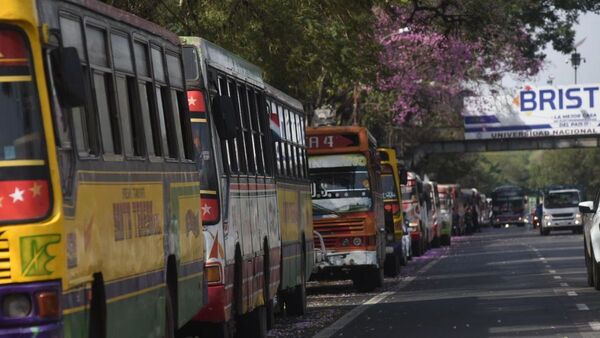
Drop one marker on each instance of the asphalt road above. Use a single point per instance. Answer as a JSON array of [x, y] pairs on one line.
[[499, 283]]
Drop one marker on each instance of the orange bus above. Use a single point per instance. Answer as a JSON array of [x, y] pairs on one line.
[[347, 204]]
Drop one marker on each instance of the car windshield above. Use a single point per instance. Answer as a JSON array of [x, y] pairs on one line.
[[341, 189], [389, 187], [562, 200], [21, 133]]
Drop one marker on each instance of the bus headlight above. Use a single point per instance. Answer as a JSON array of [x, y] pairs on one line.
[[16, 305], [357, 241], [345, 242], [547, 217]]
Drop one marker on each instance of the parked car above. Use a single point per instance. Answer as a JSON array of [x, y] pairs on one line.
[[591, 240]]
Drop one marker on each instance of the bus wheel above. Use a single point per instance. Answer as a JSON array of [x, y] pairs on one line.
[[254, 324], [295, 302], [588, 265], [391, 267], [169, 316], [436, 242], [417, 249]]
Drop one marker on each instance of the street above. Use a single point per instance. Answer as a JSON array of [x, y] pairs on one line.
[[498, 283]]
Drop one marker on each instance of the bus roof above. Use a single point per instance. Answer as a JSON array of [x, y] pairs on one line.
[[117, 14], [563, 191], [226, 61], [278, 94]]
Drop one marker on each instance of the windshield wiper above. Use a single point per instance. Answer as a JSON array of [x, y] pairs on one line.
[[325, 210]]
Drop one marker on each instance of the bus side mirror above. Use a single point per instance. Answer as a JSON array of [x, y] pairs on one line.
[[403, 176], [225, 117], [68, 77]]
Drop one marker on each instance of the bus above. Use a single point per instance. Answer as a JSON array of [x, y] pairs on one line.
[[230, 127], [451, 212], [294, 202], [508, 206], [415, 208], [347, 204], [391, 179], [99, 193]]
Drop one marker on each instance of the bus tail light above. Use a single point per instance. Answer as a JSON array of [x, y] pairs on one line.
[[48, 304], [196, 102], [213, 273]]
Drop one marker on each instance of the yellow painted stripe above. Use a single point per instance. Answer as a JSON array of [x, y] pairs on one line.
[[19, 78], [21, 163], [195, 275], [13, 60], [4, 265], [4, 245], [208, 192], [4, 274], [199, 120]]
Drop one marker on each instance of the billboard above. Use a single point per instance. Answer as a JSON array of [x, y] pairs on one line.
[[534, 112]]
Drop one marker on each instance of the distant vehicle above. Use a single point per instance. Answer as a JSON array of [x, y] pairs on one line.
[[591, 240], [391, 178], [413, 204], [508, 206], [560, 211], [432, 201], [347, 204], [450, 206]]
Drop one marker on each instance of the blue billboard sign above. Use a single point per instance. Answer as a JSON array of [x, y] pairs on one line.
[[534, 112]]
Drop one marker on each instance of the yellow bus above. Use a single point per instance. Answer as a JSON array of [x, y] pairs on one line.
[[100, 234], [391, 180], [293, 197]]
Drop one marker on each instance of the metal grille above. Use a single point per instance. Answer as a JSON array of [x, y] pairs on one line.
[[4, 261], [562, 215]]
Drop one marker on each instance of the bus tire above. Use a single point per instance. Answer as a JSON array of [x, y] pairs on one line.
[[269, 305], [436, 242], [295, 303], [97, 326], [416, 248], [170, 325], [391, 267], [588, 265]]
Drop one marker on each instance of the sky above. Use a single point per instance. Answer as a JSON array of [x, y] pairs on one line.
[[556, 63]]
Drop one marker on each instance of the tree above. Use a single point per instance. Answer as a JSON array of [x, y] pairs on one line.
[[435, 50]]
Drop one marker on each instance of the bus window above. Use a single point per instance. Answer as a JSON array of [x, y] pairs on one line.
[[21, 133]]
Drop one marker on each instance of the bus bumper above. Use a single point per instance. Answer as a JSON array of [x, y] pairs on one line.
[[53, 330], [214, 311], [32, 325], [340, 265]]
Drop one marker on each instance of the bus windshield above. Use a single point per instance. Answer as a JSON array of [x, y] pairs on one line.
[[21, 133], [389, 187], [562, 200], [341, 189]]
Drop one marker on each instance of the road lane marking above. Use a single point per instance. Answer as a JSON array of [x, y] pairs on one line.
[[557, 277], [564, 284], [595, 326], [582, 307], [572, 293], [359, 309], [552, 271]]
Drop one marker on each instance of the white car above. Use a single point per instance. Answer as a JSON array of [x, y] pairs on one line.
[[560, 211], [591, 240]]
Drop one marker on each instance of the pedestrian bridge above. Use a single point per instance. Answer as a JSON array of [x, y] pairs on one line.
[[486, 145]]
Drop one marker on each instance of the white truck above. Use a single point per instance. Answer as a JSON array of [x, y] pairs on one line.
[[561, 211]]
